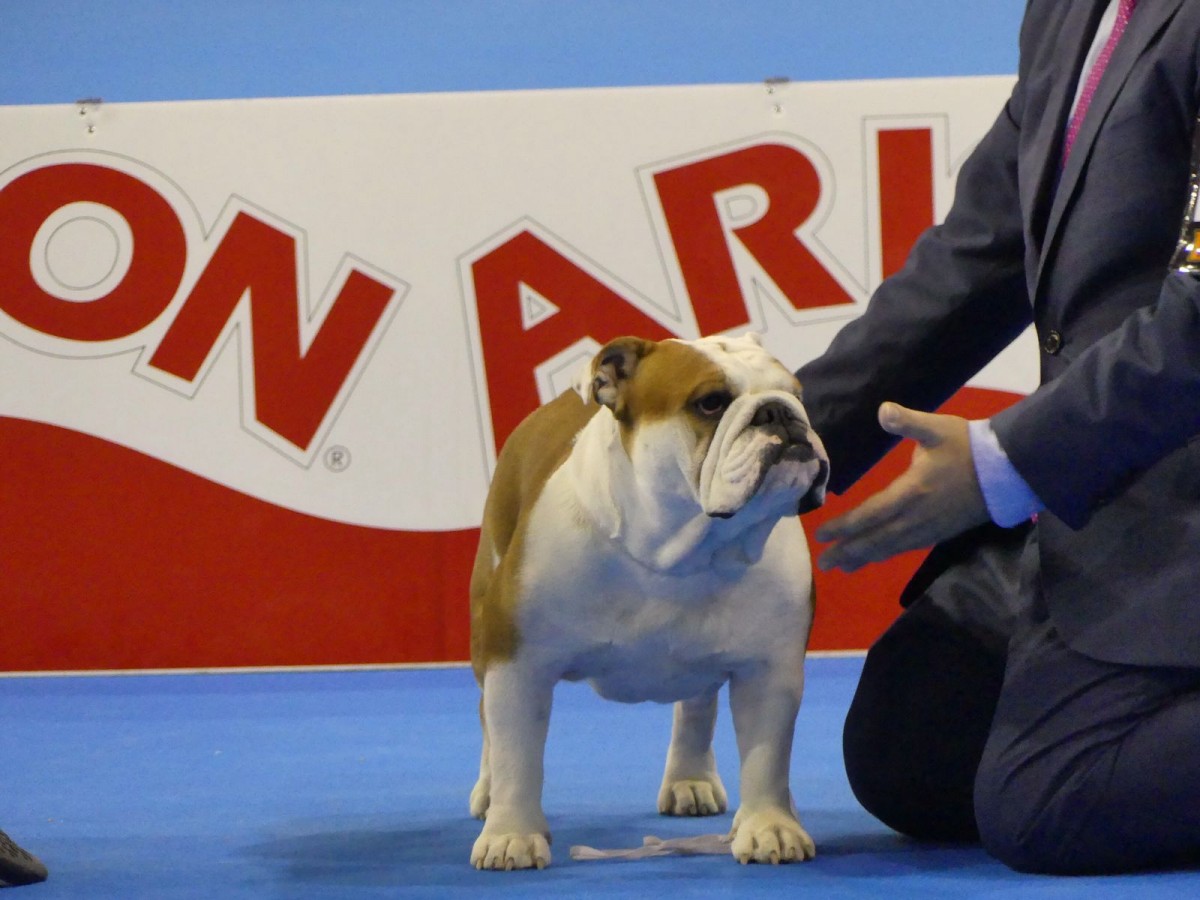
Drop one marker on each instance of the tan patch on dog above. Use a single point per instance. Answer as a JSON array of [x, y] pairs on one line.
[[532, 453], [669, 379]]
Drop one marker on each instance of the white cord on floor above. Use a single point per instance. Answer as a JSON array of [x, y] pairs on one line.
[[703, 844]]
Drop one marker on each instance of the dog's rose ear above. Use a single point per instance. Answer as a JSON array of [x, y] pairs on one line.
[[614, 365]]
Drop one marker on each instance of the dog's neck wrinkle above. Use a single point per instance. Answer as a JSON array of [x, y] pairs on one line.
[[659, 530]]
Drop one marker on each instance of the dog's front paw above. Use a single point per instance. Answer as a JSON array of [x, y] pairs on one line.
[[771, 836], [510, 850], [692, 797]]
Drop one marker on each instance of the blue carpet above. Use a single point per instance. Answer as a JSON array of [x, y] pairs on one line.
[[355, 784]]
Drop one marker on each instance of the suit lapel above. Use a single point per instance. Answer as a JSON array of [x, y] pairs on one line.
[[1147, 21]]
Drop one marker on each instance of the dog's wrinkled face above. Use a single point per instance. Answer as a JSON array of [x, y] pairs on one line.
[[718, 419]]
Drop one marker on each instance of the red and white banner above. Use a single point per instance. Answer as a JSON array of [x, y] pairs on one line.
[[257, 356]]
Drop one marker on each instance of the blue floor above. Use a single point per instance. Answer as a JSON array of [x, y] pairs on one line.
[[355, 784]]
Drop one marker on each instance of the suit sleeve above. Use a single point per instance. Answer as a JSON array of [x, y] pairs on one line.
[[1125, 403], [959, 300]]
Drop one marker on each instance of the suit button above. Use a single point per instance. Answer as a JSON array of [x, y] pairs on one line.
[[1052, 342]]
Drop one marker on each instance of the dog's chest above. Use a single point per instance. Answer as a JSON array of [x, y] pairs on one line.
[[638, 636], [588, 608], [647, 655]]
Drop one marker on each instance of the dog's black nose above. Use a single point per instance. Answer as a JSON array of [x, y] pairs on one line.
[[773, 412], [778, 417]]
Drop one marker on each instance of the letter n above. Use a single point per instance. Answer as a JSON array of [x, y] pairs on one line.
[[299, 367]]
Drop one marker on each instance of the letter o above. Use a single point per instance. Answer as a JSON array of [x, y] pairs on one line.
[[147, 288]]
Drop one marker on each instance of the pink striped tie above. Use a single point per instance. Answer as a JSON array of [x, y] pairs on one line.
[[1093, 79]]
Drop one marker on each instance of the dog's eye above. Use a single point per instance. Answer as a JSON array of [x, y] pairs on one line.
[[713, 404]]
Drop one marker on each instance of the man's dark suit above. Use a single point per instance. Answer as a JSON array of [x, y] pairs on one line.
[[1082, 251]]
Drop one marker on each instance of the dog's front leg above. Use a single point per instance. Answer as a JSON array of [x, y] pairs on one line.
[[516, 701], [691, 785], [764, 707]]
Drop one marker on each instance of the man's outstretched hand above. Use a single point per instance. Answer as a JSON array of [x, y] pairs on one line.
[[937, 497]]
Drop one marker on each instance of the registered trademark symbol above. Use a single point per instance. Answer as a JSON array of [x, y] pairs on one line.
[[337, 459]]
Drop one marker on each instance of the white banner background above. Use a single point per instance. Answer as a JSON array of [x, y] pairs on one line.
[[410, 187]]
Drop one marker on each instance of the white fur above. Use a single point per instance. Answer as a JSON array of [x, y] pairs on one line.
[[628, 583]]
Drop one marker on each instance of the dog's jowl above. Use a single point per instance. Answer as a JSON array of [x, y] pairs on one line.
[[641, 533]]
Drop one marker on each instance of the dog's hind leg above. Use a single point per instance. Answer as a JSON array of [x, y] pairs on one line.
[[481, 794], [691, 785]]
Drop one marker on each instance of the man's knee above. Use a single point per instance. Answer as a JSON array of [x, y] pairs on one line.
[[1042, 819], [1008, 824], [1028, 828]]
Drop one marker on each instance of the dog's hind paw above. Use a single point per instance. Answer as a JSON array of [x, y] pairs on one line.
[[692, 797], [481, 798], [506, 852]]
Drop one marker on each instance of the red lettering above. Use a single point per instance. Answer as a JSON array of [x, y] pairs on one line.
[[293, 389], [905, 192], [142, 294], [793, 189], [250, 281], [587, 308]]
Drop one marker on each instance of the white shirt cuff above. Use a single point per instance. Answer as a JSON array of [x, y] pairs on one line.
[[1010, 500]]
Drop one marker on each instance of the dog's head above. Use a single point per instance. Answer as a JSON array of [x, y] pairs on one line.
[[719, 418]]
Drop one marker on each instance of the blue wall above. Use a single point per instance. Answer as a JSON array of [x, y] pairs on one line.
[[58, 51]]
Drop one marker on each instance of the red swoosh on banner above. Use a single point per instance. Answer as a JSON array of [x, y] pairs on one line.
[[115, 560], [112, 559]]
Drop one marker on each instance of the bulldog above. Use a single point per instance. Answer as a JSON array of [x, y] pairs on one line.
[[641, 533]]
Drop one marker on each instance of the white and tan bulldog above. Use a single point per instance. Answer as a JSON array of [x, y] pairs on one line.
[[642, 534]]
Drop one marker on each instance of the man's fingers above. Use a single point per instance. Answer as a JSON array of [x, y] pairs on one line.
[[937, 497], [875, 544], [872, 513]]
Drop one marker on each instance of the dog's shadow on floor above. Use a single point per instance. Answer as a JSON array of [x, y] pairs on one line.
[[368, 852], [363, 852], [430, 852]]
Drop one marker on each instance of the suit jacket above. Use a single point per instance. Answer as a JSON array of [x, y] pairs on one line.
[[1081, 250]]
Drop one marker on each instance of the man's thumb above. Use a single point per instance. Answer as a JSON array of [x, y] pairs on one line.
[[908, 423]]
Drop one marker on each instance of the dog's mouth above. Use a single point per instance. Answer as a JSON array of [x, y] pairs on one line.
[[788, 449], [767, 448], [784, 450], [800, 451]]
